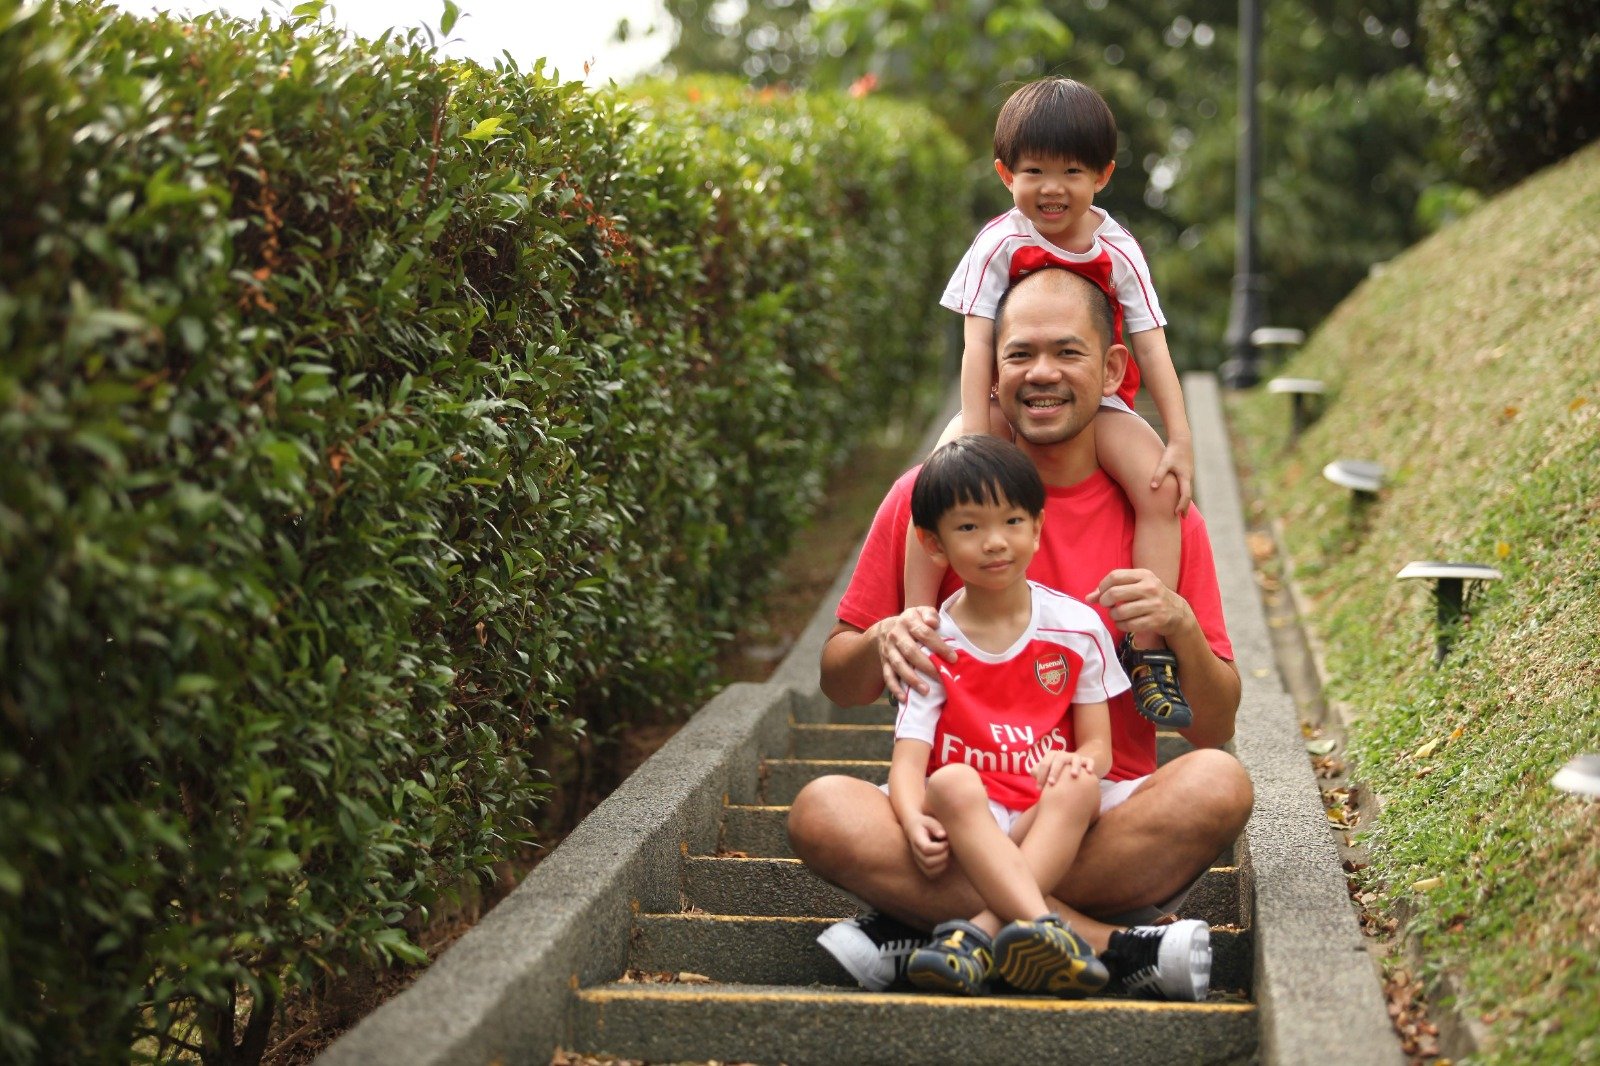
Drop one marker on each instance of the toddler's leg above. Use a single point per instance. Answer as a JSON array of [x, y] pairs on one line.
[[1128, 450]]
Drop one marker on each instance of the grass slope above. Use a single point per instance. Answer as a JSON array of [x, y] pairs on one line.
[[1470, 367]]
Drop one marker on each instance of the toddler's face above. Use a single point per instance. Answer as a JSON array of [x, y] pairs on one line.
[[1054, 194]]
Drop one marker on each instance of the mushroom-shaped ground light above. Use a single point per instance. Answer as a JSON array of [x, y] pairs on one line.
[[1450, 593], [1300, 392], [1580, 776], [1361, 477]]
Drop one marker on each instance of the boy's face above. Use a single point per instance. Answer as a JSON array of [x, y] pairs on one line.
[[1054, 194], [988, 545]]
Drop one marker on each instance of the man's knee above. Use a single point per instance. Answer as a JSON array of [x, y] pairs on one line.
[[1219, 789], [819, 819]]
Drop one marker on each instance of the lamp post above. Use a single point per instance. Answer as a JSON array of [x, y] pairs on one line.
[[1246, 312]]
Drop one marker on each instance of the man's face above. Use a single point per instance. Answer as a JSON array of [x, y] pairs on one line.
[[1052, 363]]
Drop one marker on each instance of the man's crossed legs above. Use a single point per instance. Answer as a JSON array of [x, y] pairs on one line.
[[1139, 854]]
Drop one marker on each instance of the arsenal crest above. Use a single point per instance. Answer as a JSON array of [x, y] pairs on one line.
[[1051, 670]]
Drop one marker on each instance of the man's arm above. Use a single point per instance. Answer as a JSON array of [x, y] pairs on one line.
[[1138, 602], [858, 664]]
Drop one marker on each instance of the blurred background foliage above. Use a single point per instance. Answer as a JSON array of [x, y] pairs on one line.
[[1360, 153]]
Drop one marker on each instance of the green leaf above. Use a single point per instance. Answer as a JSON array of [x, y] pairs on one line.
[[447, 22], [281, 862], [486, 129]]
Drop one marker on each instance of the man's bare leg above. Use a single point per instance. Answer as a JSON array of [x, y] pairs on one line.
[[1161, 838]]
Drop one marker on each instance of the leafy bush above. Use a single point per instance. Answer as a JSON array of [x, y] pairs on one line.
[[373, 424], [1522, 80]]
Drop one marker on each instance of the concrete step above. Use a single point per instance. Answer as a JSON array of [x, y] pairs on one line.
[[834, 741], [805, 1026], [747, 949], [784, 778], [879, 713], [762, 832], [777, 887], [769, 887], [756, 830]]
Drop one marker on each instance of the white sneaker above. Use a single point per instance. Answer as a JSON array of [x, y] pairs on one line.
[[873, 947], [1161, 961]]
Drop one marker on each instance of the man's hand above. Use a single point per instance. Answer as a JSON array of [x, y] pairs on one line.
[[905, 642], [1177, 460], [929, 845], [1139, 603]]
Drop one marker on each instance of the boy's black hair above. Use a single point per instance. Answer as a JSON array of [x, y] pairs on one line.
[[1056, 118], [975, 468]]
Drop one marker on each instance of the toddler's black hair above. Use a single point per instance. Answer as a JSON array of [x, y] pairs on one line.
[[975, 468], [1056, 118]]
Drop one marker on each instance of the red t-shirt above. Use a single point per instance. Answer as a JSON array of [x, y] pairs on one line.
[[1088, 532], [1000, 712]]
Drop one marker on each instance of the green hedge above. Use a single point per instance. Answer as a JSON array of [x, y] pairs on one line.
[[370, 423]]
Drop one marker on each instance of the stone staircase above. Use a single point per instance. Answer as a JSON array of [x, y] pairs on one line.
[[735, 973]]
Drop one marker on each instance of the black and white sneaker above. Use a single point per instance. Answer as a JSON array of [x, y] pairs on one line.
[[873, 947], [1161, 961]]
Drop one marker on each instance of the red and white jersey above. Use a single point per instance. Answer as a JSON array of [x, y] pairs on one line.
[[1000, 712], [1010, 246]]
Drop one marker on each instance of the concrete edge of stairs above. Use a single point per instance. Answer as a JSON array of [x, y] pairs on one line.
[[1315, 984]]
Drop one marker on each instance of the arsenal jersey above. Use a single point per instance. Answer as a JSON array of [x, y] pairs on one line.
[[1000, 712]]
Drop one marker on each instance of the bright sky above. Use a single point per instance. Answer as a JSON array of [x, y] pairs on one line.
[[566, 32]]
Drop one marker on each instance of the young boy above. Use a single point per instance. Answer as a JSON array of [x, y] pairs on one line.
[[1000, 763], [1055, 143]]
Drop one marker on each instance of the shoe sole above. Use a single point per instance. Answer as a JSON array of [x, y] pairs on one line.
[[933, 975], [846, 951], [1198, 949], [1034, 964]]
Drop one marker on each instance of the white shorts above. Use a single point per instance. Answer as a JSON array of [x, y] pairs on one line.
[[1112, 794]]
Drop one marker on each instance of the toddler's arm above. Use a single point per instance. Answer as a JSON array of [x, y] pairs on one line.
[[908, 768], [1161, 378], [977, 373]]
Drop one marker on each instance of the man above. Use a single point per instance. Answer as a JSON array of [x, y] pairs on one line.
[[1158, 829]]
